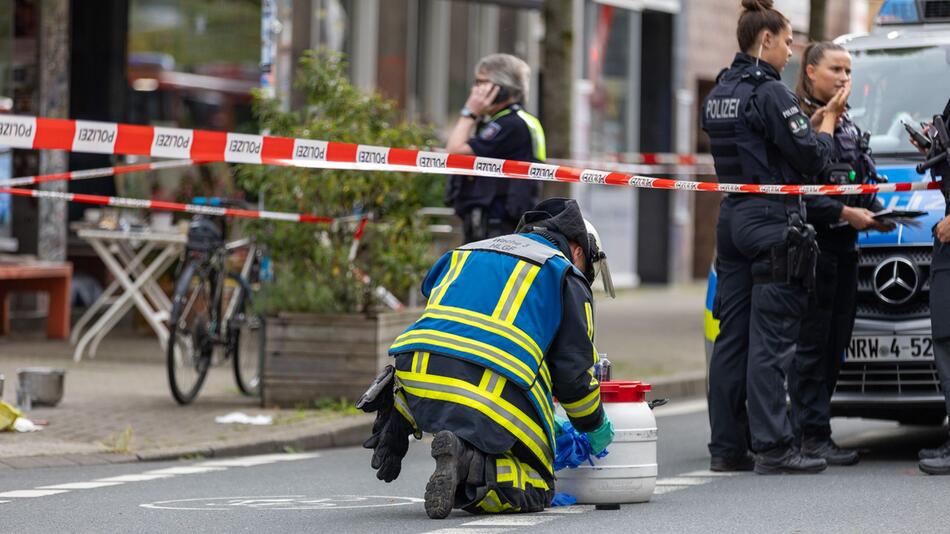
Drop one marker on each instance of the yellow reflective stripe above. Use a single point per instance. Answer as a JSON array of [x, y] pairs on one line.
[[583, 407], [487, 323], [590, 320], [492, 382], [492, 504], [420, 361], [505, 470], [537, 134], [545, 375], [486, 376], [501, 114], [519, 475], [508, 469], [399, 400], [589, 312], [710, 326], [542, 400], [453, 261], [495, 408], [593, 381], [533, 271], [497, 384], [513, 280], [471, 346], [455, 268], [533, 478]]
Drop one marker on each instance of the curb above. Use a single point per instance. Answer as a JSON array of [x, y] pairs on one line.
[[343, 432], [690, 385]]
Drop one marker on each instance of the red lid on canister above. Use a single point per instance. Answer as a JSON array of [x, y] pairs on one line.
[[624, 391]]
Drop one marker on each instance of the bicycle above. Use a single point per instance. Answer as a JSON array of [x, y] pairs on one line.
[[208, 312]]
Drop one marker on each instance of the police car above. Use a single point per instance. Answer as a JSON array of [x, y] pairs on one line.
[[901, 73]]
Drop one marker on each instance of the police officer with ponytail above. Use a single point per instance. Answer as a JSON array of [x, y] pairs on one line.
[[829, 319], [766, 253]]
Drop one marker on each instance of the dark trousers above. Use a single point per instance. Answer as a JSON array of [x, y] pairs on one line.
[[477, 225], [940, 314], [759, 326], [825, 332], [502, 483]]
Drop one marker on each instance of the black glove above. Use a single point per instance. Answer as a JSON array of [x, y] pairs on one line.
[[391, 444], [379, 396], [390, 439]]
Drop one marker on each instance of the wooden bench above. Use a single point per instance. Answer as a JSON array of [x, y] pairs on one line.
[[52, 278]]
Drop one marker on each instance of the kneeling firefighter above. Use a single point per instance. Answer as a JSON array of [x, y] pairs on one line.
[[508, 325]]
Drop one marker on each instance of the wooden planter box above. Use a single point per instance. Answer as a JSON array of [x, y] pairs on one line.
[[308, 357]]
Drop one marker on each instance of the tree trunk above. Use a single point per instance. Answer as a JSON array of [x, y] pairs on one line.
[[557, 79], [816, 21]]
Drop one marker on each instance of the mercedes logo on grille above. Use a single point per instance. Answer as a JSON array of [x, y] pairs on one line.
[[895, 280]]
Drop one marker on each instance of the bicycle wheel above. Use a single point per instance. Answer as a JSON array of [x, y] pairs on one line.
[[190, 344], [246, 345]]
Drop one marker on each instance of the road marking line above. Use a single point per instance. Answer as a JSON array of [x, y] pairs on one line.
[[81, 485], [510, 521], [464, 530], [4, 502], [185, 470], [22, 494], [572, 509], [708, 473], [252, 461], [205, 467], [681, 408], [133, 478], [681, 481]]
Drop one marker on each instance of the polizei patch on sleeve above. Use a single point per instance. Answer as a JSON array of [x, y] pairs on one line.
[[489, 132], [798, 125]]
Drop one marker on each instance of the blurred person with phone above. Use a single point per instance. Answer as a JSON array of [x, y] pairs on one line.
[[494, 124]]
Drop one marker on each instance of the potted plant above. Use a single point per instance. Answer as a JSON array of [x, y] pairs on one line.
[[327, 333]]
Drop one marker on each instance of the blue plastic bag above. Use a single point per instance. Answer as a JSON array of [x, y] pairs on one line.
[[563, 499], [573, 447]]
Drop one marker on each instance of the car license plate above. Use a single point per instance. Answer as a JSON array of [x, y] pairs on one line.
[[889, 349]]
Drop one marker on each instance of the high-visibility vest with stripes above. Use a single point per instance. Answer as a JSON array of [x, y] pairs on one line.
[[496, 303]]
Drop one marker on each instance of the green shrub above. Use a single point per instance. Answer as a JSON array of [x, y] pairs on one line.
[[311, 270]]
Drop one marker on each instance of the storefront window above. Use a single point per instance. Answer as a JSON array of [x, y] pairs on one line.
[[6, 105], [194, 62], [607, 67]]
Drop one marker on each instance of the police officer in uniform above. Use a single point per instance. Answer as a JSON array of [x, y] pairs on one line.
[[765, 251], [508, 324], [494, 124], [937, 461], [829, 319]]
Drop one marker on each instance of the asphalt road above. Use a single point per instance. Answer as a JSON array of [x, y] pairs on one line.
[[335, 491]]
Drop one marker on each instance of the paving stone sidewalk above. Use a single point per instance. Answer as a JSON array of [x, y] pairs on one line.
[[117, 407]]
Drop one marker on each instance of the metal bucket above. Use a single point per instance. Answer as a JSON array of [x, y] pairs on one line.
[[42, 386]]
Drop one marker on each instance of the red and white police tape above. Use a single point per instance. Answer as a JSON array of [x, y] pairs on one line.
[[121, 202], [97, 173], [203, 145], [161, 205]]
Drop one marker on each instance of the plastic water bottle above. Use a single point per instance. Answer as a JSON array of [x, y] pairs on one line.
[[602, 368]]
